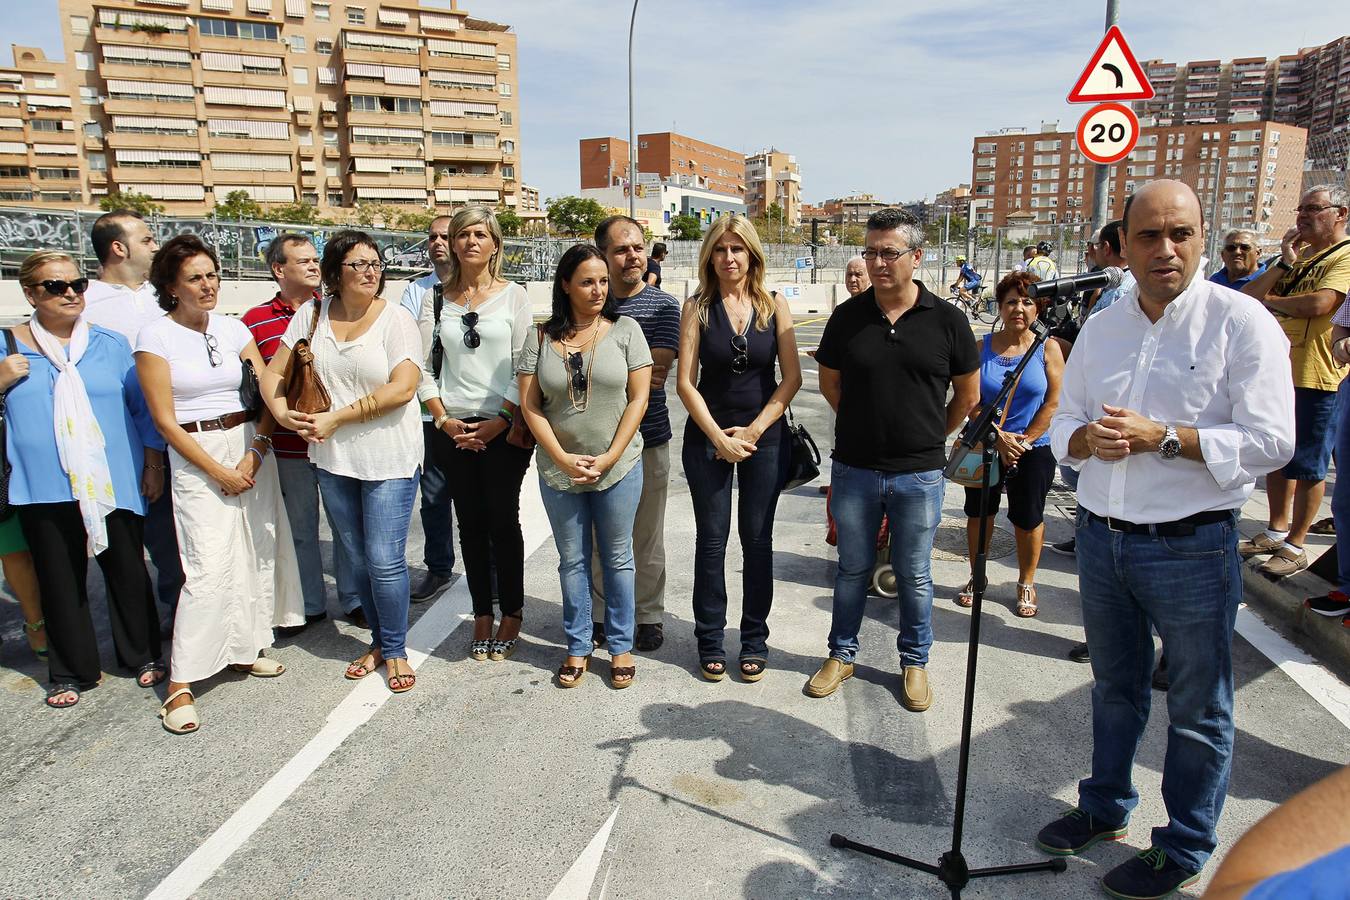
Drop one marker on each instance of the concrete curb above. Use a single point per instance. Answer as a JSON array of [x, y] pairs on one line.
[[1281, 603]]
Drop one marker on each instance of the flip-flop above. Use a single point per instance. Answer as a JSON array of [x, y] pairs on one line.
[[399, 676], [157, 667], [357, 668]]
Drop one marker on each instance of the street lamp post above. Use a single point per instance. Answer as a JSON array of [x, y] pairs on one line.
[[632, 141]]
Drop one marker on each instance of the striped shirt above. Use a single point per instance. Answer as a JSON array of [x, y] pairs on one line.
[[658, 313], [268, 321]]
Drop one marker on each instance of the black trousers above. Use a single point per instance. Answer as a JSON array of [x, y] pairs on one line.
[[56, 538], [485, 488]]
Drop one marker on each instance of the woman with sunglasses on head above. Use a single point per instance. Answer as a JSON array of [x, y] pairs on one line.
[[85, 461], [367, 446], [470, 390], [233, 534], [732, 333], [584, 384]]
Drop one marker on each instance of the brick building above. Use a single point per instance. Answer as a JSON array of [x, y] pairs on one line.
[[604, 162]]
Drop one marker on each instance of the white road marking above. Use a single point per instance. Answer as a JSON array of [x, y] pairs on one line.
[[577, 883], [355, 710], [1328, 690]]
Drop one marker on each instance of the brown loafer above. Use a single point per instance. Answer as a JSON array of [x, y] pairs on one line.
[[917, 695], [826, 681], [1286, 561], [1258, 545]]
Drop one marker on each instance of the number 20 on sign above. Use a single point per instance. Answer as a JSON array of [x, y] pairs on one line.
[[1108, 133]]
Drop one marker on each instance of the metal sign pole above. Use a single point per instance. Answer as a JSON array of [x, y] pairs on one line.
[[1101, 177]]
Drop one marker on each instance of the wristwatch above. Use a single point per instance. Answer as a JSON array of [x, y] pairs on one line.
[[1283, 266], [1170, 446]]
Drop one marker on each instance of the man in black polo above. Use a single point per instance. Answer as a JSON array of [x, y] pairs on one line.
[[886, 360]]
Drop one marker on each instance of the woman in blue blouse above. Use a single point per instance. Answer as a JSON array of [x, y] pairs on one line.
[[80, 489]]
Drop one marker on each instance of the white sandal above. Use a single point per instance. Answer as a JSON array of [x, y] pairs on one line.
[[182, 719], [1026, 601], [263, 667]]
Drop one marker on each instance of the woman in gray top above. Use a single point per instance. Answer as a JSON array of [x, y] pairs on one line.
[[583, 390]]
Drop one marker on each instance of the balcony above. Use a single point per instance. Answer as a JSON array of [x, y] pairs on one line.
[[127, 37], [455, 152], [121, 140], [155, 174]]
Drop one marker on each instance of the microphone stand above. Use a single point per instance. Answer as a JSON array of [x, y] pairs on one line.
[[952, 869]]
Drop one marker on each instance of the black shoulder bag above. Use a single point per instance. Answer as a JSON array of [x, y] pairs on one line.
[[803, 455], [437, 351]]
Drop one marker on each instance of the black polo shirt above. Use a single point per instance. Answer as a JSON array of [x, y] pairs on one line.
[[894, 380]]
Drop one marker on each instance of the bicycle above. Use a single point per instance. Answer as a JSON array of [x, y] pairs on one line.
[[977, 308]]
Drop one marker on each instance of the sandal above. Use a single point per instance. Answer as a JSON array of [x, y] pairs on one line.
[[967, 596], [500, 650], [1026, 600], [569, 676], [156, 669], [713, 669], [393, 666], [57, 690], [182, 719], [360, 668], [621, 677], [480, 649], [753, 668], [262, 667], [34, 628]]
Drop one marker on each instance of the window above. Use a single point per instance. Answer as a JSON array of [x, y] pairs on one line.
[[481, 140], [84, 61], [508, 146], [300, 75], [19, 195], [14, 172], [509, 173], [356, 15], [298, 43], [79, 24], [327, 75], [604, 148], [45, 124], [504, 89], [504, 62], [323, 46], [58, 174], [506, 117], [88, 95], [330, 136], [44, 82], [304, 137], [334, 197], [398, 105], [331, 170], [322, 12], [249, 31], [310, 198]]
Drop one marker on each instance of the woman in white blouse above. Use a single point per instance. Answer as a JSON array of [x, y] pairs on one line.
[[368, 446], [235, 540], [469, 387]]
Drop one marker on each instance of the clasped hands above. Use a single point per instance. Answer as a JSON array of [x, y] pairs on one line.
[[313, 427], [1121, 432], [474, 436], [735, 444]]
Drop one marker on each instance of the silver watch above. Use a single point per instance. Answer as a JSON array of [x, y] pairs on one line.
[[1170, 446]]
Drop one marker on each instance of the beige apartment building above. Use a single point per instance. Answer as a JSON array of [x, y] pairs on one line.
[[1252, 170], [324, 103], [772, 176]]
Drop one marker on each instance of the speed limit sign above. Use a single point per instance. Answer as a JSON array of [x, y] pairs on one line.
[[1108, 133]]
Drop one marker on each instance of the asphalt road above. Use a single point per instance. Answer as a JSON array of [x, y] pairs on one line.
[[488, 781]]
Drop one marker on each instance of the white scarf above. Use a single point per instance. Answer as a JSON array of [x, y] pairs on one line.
[[79, 440]]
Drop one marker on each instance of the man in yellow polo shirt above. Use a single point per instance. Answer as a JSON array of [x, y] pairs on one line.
[[1304, 288]]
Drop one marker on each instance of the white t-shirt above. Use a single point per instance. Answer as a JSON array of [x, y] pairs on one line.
[[200, 390], [383, 448], [476, 382], [121, 309]]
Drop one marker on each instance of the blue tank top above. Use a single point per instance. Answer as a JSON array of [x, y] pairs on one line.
[[734, 399], [1030, 393]]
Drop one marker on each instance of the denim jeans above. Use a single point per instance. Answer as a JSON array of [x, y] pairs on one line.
[[1188, 588], [300, 491], [1340, 496], [575, 515], [161, 541], [370, 521], [913, 504], [759, 480], [438, 551]]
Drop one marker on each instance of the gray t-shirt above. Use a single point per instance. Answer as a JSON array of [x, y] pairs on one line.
[[590, 431]]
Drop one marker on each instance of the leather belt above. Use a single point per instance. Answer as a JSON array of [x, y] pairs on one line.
[[1179, 528], [219, 423]]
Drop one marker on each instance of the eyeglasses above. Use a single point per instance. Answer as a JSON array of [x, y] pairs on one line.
[[741, 361], [890, 254], [1313, 210], [365, 265], [1234, 248], [57, 287], [574, 362], [212, 353], [472, 339]]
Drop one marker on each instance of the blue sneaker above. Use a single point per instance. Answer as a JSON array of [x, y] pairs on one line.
[[1148, 876], [1075, 832]]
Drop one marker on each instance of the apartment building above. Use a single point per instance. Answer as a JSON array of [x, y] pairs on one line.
[[772, 177], [605, 162], [1252, 170], [330, 104], [851, 210], [40, 144]]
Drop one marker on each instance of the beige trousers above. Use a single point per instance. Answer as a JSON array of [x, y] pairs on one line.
[[649, 543]]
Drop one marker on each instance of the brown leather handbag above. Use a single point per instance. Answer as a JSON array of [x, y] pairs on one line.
[[305, 393]]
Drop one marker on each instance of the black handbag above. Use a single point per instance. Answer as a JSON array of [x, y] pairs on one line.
[[250, 394], [6, 510], [803, 456]]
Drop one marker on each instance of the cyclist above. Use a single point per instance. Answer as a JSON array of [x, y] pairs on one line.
[[1041, 265], [967, 283]]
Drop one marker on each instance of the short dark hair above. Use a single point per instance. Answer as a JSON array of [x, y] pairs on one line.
[[898, 220], [1029, 248], [1111, 235], [1125, 215], [108, 228], [276, 251], [602, 230], [560, 322], [1019, 283], [658, 249], [169, 262], [335, 254]]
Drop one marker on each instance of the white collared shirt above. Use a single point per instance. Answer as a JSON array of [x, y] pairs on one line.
[[121, 309], [1215, 361]]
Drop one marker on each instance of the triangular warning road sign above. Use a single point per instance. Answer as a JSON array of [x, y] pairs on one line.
[[1113, 74]]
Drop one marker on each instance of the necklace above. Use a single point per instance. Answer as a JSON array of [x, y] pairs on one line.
[[579, 396], [745, 308]]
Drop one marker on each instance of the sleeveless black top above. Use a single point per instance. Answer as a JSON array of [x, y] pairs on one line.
[[735, 399]]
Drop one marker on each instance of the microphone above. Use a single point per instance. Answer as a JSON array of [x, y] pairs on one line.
[[1065, 287]]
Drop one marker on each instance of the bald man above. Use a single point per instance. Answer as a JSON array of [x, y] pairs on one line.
[[1174, 401]]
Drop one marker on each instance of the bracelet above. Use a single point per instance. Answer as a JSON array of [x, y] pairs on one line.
[[255, 451], [441, 420], [265, 438], [1283, 266], [505, 413]]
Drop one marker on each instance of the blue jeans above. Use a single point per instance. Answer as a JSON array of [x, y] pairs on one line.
[[1340, 496], [438, 551], [1188, 588], [161, 541], [913, 503], [370, 523], [575, 515], [300, 491], [759, 480]]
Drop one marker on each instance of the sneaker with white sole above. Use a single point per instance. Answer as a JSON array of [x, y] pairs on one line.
[[1066, 548], [1332, 604]]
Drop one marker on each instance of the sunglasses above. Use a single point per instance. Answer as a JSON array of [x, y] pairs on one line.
[[1233, 248], [212, 351], [472, 339], [574, 362], [58, 287], [741, 361]]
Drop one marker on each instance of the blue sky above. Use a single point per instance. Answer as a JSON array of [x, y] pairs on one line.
[[879, 96]]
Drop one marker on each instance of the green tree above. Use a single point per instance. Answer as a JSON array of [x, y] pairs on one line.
[[374, 215], [238, 205], [131, 200], [413, 220], [574, 216], [685, 228], [510, 223], [294, 213]]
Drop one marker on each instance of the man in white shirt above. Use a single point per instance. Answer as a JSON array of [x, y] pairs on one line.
[[1175, 399], [437, 524], [122, 300]]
